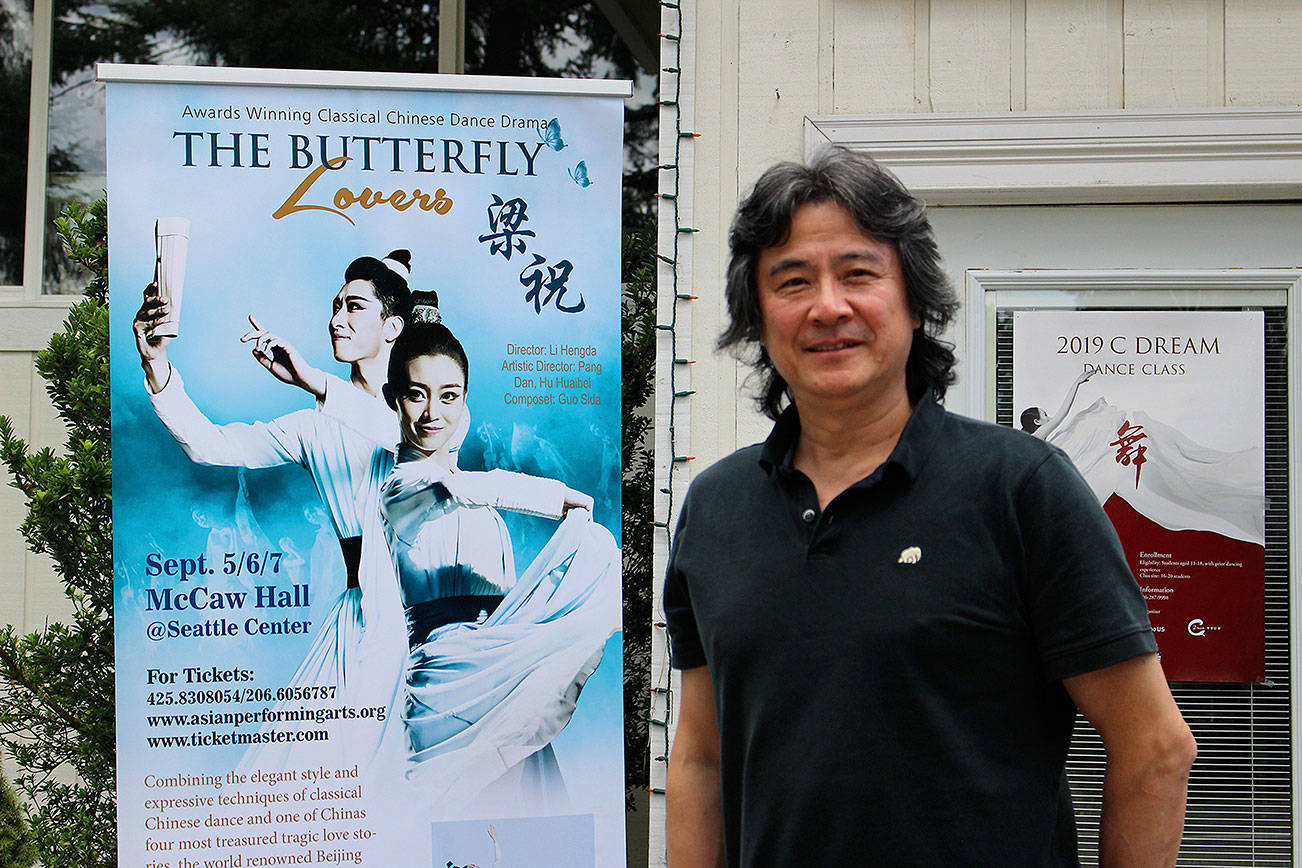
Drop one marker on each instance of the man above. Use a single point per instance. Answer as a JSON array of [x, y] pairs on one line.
[[886, 615]]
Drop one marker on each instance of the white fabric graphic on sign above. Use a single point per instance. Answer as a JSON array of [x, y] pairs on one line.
[[1180, 482], [485, 698]]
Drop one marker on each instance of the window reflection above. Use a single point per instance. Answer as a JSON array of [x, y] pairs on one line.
[[76, 165], [83, 33], [15, 104], [75, 171]]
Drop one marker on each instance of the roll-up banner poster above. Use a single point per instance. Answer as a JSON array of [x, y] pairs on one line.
[[366, 395]]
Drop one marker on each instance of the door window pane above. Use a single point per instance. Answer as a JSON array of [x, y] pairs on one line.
[[15, 104], [75, 171]]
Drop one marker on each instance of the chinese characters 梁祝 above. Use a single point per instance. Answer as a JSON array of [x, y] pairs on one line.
[[506, 218]]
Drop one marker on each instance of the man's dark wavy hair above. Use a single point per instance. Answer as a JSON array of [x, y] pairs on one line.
[[884, 210]]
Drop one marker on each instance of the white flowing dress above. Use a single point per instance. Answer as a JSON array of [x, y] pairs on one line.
[[485, 697]]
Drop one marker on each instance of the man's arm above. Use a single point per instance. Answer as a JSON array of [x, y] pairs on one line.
[[1149, 753], [694, 820], [235, 444]]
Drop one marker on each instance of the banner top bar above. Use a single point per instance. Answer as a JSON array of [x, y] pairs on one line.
[[164, 74]]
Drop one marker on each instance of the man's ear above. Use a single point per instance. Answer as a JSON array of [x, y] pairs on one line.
[[390, 397], [391, 328]]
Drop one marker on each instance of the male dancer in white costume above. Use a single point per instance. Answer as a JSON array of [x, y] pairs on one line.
[[361, 647]]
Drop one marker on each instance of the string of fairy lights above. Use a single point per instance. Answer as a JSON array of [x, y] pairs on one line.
[[671, 56]]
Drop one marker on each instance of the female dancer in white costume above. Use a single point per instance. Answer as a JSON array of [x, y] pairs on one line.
[[496, 661]]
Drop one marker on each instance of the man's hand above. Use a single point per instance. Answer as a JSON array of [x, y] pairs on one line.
[[284, 361], [152, 348]]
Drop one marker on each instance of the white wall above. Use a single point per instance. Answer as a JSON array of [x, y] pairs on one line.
[[30, 592], [753, 70]]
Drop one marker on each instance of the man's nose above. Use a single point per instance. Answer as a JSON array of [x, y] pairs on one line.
[[830, 302]]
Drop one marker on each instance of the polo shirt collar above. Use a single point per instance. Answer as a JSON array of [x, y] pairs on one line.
[[909, 454]]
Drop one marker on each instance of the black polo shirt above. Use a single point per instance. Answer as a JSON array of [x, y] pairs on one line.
[[887, 671]]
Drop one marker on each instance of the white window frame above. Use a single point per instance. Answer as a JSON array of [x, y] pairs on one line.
[[28, 317]]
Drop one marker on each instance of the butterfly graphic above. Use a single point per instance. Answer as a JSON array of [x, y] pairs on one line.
[[580, 174], [551, 135]]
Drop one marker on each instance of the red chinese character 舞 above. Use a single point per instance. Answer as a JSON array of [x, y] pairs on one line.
[[1129, 450]]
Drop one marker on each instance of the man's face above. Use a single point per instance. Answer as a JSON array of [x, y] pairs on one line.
[[431, 404], [837, 323], [359, 329]]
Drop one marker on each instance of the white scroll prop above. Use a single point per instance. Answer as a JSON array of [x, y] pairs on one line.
[[171, 240]]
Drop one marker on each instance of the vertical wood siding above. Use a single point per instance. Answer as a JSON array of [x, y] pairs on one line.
[[757, 68]]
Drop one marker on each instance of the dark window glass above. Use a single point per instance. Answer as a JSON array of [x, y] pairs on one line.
[[15, 104], [84, 33], [75, 171]]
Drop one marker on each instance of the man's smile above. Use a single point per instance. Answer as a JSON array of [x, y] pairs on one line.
[[832, 346]]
